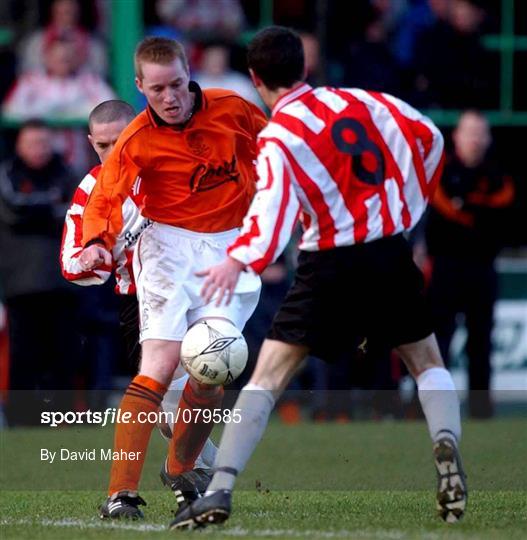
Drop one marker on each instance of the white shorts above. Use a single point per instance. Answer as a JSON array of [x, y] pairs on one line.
[[165, 260]]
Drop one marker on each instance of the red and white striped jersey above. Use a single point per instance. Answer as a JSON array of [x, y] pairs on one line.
[[355, 166], [133, 224]]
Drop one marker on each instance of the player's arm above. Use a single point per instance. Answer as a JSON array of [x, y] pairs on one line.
[[103, 219], [258, 118], [252, 120], [273, 213], [266, 230], [434, 158], [429, 139], [71, 248]]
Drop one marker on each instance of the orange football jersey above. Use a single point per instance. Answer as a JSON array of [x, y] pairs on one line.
[[199, 177]]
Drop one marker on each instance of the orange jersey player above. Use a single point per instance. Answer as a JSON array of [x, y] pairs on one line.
[[197, 176], [194, 151]]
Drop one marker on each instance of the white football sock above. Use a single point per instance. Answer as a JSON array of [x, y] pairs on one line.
[[207, 456], [440, 403], [239, 440], [173, 394]]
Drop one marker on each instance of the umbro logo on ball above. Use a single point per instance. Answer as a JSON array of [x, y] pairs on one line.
[[218, 345]]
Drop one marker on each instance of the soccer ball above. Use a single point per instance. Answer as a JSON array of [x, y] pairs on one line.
[[214, 352]]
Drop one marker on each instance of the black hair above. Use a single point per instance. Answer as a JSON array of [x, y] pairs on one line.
[[276, 55]]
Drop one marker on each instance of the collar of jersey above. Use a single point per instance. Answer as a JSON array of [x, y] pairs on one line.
[[194, 87], [293, 94]]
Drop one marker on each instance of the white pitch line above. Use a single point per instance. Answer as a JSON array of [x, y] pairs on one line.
[[388, 534], [358, 533], [86, 524]]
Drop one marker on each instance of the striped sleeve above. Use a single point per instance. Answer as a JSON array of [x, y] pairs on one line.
[[71, 246], [272, 215], [429, 139]]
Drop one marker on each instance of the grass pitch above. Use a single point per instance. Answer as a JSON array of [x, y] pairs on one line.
[[360, 480]]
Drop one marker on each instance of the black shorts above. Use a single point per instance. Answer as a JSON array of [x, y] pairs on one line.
[[342, 295]]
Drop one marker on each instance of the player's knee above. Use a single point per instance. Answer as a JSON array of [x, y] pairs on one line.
[[421, 355], [276, 365], [159, 359]]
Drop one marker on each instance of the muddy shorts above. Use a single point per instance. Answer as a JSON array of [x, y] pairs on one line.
[[165, 261]]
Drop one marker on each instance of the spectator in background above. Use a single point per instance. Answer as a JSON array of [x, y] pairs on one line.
[[391, 11], [368, 62], [464, 233], [311, 47], [35, 186], [215, 72], [63, 24], [63, 91], [199, 20], [452, 69], [418, 18]]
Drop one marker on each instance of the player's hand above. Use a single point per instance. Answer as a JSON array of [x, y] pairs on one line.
[[221, 278], [94, 256]]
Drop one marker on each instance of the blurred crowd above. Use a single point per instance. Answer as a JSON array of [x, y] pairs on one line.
[[55, 67]]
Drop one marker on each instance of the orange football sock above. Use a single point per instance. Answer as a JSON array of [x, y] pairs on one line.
[[144, 395], [192, 428]]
